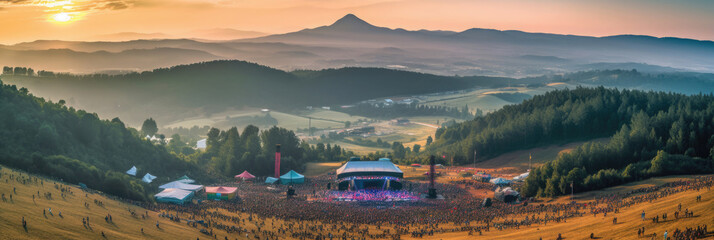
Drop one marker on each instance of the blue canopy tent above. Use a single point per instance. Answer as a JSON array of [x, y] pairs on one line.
[[292, 177], [271, 180], [174, 195]]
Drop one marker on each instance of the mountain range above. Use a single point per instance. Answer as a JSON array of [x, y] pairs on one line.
[[351, 41]]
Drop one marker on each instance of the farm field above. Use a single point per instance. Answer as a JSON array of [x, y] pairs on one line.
[[486, 99], [319, 168], [242, 118]]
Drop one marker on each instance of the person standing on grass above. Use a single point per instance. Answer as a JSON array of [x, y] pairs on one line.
[[643, 215]]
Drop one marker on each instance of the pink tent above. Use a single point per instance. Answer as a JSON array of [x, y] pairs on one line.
[[245, 175], [221, 190], [220, 193]]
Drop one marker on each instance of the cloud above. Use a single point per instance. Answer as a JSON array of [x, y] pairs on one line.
[[115, 5], [71, 6], [14, 1]]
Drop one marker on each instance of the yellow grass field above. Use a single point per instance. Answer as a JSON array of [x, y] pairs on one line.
[[628, 218], [517, 161], [126, 226], [319, 168]]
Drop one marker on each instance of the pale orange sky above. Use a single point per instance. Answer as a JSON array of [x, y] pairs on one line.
[[28, 20]]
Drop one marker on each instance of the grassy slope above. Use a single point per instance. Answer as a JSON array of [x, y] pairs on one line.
[[628, 218], [72, 207], [517, 161], [315, 168]]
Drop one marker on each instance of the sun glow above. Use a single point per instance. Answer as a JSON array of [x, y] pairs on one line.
[[62, 17]]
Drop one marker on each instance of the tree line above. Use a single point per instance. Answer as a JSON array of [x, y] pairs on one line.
[[231, 152], [678, 138], [640, 124], [382, 111], [75, 146], [50, 138]]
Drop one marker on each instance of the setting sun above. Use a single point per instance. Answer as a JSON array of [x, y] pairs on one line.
[[62, 17]]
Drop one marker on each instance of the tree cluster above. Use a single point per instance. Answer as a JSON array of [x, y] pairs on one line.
[[76, 146], [673, 135], [230, 152]]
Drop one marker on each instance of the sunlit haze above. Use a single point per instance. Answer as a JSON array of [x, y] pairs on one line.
[[28, 20]]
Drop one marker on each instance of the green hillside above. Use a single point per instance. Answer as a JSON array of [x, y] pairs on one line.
[[652, 134], [76, 146], [186, 91]]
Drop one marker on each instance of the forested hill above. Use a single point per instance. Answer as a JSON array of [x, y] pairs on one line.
[[639, 123], [76, 146], [186, 91], [203, 88]]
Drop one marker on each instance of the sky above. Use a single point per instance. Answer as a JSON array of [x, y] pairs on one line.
[[29, 20]]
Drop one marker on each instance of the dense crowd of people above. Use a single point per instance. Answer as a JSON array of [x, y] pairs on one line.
[[460, 212], [264, 212]]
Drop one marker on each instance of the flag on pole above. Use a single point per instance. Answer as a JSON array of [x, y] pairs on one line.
[[530, 157]]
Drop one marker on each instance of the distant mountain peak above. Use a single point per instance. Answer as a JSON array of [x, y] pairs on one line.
[[351, 21]]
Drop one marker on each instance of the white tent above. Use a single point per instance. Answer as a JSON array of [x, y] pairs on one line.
[[201, 144], [148, 178], [500, 181], [521, 177], [183, 186], [132, 171]]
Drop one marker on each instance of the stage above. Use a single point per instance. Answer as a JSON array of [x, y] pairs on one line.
[[370, 196]]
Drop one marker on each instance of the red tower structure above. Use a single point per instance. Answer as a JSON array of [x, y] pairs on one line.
[[432, 175], [277, 160]]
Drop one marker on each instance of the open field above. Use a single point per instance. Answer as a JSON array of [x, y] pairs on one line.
[[69, 226], [128, 226], [435, 120], [319, 168], [331, 115], [628, 218], [486, 99], [408, 135], [517, 161], [242, 118]]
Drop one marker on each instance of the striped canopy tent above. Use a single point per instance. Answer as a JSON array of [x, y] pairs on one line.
[[245, 176], [221, 193], [182, 186], [174, 195], [291, 178]]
